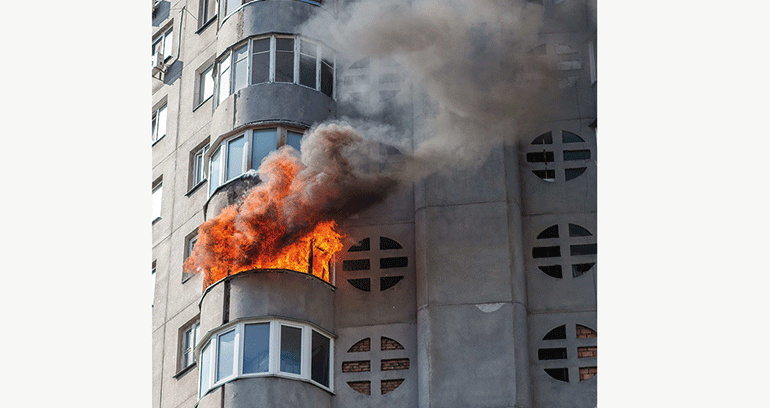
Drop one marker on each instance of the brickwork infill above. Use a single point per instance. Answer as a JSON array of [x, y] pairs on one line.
[[587, 372], [394, 364], [583, 332], [362, 346], [357, 366], [586, 352], [389, 344], [364, 387], [387, 386]]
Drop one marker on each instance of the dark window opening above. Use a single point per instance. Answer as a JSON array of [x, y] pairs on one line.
[[579, 269], [550, 232], [559, 333], [356, 265], [569, 137], [578, 231], [363, 245], [585, 249], [561, 374], [388, 282], [398, 262], [569, 174], [577, 155], [552, 270], [362, 284], [545, 138], [546, 252], [319, 358], [387, 243], [547, 175], [552, 353], [540, 157]]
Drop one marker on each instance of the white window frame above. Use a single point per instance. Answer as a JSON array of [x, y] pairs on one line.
[[157, 204], [157, 114], [205, 14], [154, 282], [201, 92], [212, 341], [221, 146], [229, 53], [198, 166], [166, 41], [194, 330]]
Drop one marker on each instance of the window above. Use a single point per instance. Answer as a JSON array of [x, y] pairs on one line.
[[389, 261], [161, 47], [277, 58], [157, 194], [198, 175], [159, 123], [592, 59], [546, 156], [152, 294], [228, 6], [190, 241], [266, 347], [208, 10], [206, 84], [189, 337], [582, 251], [245, 151]]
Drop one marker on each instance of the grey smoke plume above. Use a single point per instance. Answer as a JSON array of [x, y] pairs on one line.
[[471, 57]]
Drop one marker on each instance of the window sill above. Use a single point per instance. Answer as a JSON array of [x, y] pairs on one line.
[[206, 24], [155, 220], [159, 139], [195, 188], [203, 102], [184, 371]]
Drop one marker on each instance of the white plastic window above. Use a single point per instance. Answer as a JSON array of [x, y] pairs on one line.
[[159, 120]]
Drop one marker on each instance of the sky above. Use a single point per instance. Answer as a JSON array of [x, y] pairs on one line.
[[683, 202]]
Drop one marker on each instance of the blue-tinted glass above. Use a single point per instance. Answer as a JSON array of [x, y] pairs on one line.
[[214, 172], [205, 369], [319, 366], [235, 157], [264, 142], [225, 355], [291, 349], [256, 348], [294, 139]]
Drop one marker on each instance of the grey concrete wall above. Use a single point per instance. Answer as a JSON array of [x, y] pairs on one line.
[[274, 392], [266, 16]]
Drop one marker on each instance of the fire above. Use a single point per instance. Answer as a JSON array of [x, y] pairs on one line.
[[289, 220]]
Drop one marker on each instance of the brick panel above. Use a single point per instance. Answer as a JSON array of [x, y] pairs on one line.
[[387, 386], [394, 364], [362, 346], [389, 344], [583, 332], [364, 387], [356, 366], [587, 372], [586, 352]]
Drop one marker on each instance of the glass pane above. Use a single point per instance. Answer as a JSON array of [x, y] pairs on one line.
[[327, 79], [205, 370], [294, 139], [214, 172], [162, 122], [261, 45], [157, 193], [319, 366], [284, 66], [224, 79], [256, 348], [235, 157], [307, 70], [225, 355], [207, 84], [264, 142], [291, 346], [260, 68], [167, 41], [306, 47], [198, 168], [231, 5], [284, 44], [154, 127], [241, 74]]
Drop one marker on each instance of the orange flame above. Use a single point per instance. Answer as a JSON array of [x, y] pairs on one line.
[[289, 220]]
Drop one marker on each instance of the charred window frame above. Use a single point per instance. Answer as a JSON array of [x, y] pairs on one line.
[[230, 159], [188, 338], [262, 340], [289, 59]]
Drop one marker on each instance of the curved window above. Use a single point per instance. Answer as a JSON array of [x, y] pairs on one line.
[[245, 151], [266, 348], [276, 58]]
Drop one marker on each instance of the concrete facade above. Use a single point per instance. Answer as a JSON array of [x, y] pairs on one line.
[[493, 301]]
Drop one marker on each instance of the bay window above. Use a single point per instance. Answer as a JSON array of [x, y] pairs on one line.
[[263, 347], [245, 151], [276, 58]]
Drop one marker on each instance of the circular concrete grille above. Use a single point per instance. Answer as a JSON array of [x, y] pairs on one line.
[[564, 351], [577, 251], [551, 158]]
